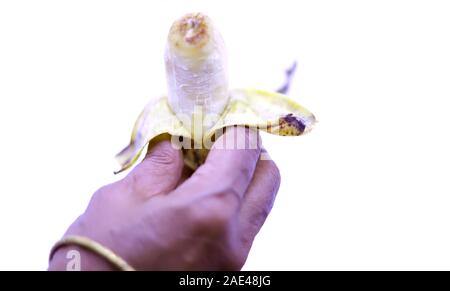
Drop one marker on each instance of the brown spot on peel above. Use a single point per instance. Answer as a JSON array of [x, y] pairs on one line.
[[291, 125]]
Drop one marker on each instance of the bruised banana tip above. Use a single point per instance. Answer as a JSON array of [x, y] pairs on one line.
[[191, 32]]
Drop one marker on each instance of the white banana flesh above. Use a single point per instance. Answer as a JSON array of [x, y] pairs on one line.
[[196, 70], [199, 103]]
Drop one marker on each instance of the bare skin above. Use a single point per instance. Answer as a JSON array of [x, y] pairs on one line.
[[156, 218]]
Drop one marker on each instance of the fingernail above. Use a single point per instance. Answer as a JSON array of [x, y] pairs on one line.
[[264, 155]]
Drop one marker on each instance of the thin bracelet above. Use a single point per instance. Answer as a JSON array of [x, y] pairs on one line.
[[94, 247]]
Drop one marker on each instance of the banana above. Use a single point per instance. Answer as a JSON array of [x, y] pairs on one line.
[[199, 104]]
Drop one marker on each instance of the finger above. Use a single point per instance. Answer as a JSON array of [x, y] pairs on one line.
[[160, 170], [259, 198], [228, 169]]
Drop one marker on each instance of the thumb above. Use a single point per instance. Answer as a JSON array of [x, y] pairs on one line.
[[160, 170]]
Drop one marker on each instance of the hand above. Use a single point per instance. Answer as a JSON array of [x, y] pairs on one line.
[[156, 220]]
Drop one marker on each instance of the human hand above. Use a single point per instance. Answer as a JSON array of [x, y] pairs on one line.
[[157, 220]]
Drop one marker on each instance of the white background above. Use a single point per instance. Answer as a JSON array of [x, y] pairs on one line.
[[367, 189]]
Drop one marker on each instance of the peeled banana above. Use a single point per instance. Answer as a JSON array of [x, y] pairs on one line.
[[199, 104]]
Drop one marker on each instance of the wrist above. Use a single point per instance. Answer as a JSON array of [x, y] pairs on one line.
[[76, 258]]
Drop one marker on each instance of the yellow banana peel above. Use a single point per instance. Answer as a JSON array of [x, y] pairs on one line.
[[199, 103]]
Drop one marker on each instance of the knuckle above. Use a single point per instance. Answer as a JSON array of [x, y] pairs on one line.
[[232, 181], [163, 156], [213, 213], [138, 181], [245, 174], [100, 195], [226, 198], [109, 193]]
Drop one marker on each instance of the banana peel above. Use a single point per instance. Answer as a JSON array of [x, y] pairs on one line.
[[199, 104]]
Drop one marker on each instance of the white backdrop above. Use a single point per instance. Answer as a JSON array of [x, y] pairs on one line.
[[367, 189]]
